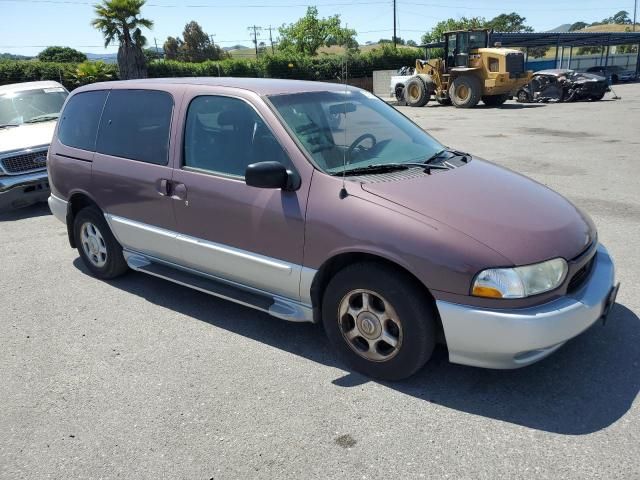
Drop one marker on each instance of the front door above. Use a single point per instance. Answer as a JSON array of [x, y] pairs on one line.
[[247, 235]]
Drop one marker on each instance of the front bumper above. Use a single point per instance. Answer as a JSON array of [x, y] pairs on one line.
[[518, 337], [18, 191]]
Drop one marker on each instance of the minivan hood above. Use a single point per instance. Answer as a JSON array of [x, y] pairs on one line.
[[26, 136], [519, 218]]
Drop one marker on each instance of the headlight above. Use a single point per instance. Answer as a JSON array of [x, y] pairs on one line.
[[520, 282]]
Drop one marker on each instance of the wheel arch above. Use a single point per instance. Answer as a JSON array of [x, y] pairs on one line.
[[77, 201], [340, 261]]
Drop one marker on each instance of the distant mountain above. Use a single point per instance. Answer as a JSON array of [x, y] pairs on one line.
[[235, 47], [105, 57], [564, 28], [11, 56]]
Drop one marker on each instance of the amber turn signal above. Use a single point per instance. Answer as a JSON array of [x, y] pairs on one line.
[[486, 292]]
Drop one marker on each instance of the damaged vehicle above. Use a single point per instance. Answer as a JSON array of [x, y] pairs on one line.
[[563, 85]]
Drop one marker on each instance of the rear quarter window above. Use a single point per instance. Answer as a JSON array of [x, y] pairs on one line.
[[135, 125], [78, 124]]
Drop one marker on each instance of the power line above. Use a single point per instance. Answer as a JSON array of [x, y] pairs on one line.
[[207, 5]]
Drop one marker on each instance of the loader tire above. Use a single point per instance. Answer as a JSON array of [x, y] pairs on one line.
[[416, 93], [465, 91], [494, 100]]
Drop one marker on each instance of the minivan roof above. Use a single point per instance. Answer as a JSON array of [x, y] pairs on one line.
[[261, 86]]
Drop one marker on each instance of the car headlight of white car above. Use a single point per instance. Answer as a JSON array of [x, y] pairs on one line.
[[520, 282]]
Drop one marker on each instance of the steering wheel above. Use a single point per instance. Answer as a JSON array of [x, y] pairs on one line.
[[358, 141]]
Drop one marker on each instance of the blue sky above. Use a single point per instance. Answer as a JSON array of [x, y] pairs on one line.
[[28, 25]]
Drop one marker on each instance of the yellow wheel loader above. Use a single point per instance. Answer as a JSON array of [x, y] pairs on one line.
[[469, 72]]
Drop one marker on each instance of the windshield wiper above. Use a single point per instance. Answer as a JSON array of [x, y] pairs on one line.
[[387, 167], [43, 118], [453, 154], [7, 125]]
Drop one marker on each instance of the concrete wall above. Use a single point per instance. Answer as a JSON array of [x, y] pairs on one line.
[[381, 81]]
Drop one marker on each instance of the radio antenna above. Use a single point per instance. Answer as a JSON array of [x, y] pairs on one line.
[[345, 75]]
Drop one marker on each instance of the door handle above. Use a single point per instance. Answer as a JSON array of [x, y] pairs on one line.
[[162, 186]]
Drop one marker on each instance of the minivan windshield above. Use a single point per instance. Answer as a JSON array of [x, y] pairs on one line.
[[31, 106], [353, 127]]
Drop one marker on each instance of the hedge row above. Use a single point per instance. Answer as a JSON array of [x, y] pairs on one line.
[[325, 67], [16, 71]]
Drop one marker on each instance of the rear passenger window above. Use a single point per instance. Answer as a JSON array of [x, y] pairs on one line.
[[79, 120], [224, 135], [135, 125]]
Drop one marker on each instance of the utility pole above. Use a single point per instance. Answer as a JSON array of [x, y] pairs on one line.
[[394, 24], [635, 9], [213, 44], [156, 43], [256, 31], [271, 39]]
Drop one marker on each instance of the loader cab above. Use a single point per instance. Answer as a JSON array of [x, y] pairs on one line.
[[458, 46]]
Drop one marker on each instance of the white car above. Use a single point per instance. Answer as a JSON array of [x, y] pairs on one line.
[[28, 115]]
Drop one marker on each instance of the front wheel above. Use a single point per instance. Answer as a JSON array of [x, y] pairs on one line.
[[523, 97], [494, 100], [380, 322], [98, 248], [465, 91], [416, 93]]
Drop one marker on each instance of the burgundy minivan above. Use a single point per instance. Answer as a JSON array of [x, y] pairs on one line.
[[320, 203]]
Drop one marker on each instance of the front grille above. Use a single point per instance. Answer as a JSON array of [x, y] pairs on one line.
[[515, 64], [25, 162], [581, 276]]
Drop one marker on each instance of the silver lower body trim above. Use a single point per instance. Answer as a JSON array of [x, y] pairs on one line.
[[283, 308], [519, 337], [58, 207]]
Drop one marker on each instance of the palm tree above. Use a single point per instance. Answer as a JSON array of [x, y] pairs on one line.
[[119, 20]]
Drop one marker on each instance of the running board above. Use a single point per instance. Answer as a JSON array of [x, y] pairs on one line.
[[273, 305]]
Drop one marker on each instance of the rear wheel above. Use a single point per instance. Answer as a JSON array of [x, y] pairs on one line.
[[380, 322], [399, 93], [465, 91], [416, 93], [494, 100], [98, 248], [523, 97]]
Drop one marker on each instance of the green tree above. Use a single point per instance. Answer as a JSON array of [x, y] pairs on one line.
[[578, 26], [310, 33], [62, 55], [411, 43], [196, 45], [171, 48], [436, 34], [508, 22], [120, 20]]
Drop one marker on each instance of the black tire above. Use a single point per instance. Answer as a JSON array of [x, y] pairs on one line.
[[465, 91], [114, 262], [416, 93], [399, 93], [523, 97], [416, 315], [494, 100]]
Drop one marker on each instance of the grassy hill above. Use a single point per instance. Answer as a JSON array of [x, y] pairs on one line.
[[612, 27], [251, 52]]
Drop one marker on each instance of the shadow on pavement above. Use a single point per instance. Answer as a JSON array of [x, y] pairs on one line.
[[586, 386], [36, 210]]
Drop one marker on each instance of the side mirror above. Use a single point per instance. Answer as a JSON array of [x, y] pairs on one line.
[[271, 175]]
